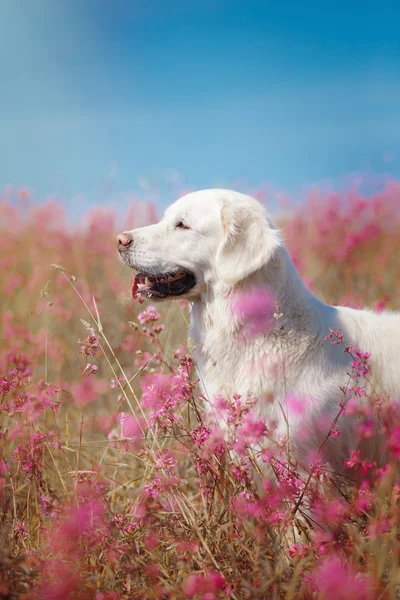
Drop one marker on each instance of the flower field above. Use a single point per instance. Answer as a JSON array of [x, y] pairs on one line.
[[113, 483]]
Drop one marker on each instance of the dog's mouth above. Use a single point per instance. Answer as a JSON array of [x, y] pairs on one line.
[[166, 285]]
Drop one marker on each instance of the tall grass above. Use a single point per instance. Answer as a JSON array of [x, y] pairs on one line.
[[114, 485]]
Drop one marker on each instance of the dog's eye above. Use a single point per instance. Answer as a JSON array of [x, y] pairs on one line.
[[181, 225]]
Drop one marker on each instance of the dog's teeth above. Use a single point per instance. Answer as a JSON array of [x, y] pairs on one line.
[[175, 277]]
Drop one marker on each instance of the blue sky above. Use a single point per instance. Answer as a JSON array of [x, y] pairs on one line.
[[106, 96]]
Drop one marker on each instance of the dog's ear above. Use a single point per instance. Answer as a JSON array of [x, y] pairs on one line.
[[250, 242]]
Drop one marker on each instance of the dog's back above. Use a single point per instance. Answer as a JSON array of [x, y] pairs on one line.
[[378, 334]]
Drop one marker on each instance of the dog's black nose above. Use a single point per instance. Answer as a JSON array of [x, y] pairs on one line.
[[124, 240]]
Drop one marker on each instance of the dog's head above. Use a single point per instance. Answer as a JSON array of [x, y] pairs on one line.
[[211, 237]]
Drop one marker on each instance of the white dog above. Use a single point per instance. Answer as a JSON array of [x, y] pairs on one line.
[[213, 245]]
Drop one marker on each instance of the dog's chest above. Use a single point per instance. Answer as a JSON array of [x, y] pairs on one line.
[[228, 365], [268, 365]]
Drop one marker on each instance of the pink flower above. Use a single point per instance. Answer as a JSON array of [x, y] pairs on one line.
[[255, 310], [221, 408], [354, 459], [150, 315], [163, 393], [154, 487], [5, 385], [206, 586], [48, 506], [330, 513], [200, 435], [59, 580], [90, 345], [20, 530], [335, 581], [20, 365], [366, 428], [294, 405], [359, 364], [381, 304], [334, 433], [393, 443], [251, 430], [130, 426], [298, 550], [336, 336], [143, 360], [364, 498], [84, 392], [165, 461], [31, 454], [83, 523], [91, 369]]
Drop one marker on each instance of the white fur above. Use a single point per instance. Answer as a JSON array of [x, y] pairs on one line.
[[233, 245]]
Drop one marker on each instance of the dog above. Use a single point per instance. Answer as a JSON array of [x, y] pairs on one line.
[[213, 246]]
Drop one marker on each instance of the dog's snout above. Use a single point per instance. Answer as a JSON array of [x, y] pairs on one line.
[[124, 240]]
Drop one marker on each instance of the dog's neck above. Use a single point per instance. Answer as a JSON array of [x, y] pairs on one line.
[[226, 359], [268, 364], [297, 307]]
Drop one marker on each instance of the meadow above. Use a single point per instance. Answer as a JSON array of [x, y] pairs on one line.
[[114, 486]]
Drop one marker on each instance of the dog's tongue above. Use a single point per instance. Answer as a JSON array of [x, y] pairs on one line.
[[135, 283], [137, 279]]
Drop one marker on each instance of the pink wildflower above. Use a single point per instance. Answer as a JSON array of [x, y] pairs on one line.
[[20, 530], [336, 336], [354, 459], [358, 391], [355, 462], [365, 497], [294, 405], [114, 383], [90, 345], [255, 311], [366, 429], [359, 364], [200, 435], [334, 433], [330, 513], [165, 461], [31, 455], [206, 586], [381, 304], [91, 369], [153, 488], [393, 443], [85, 392], [59, 580], [20, 365], [251, 431], [335, 581], [48, 506], [221, 408], [130, 426], [163, 393], [5, 385], [150, 315], [143, 360]]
